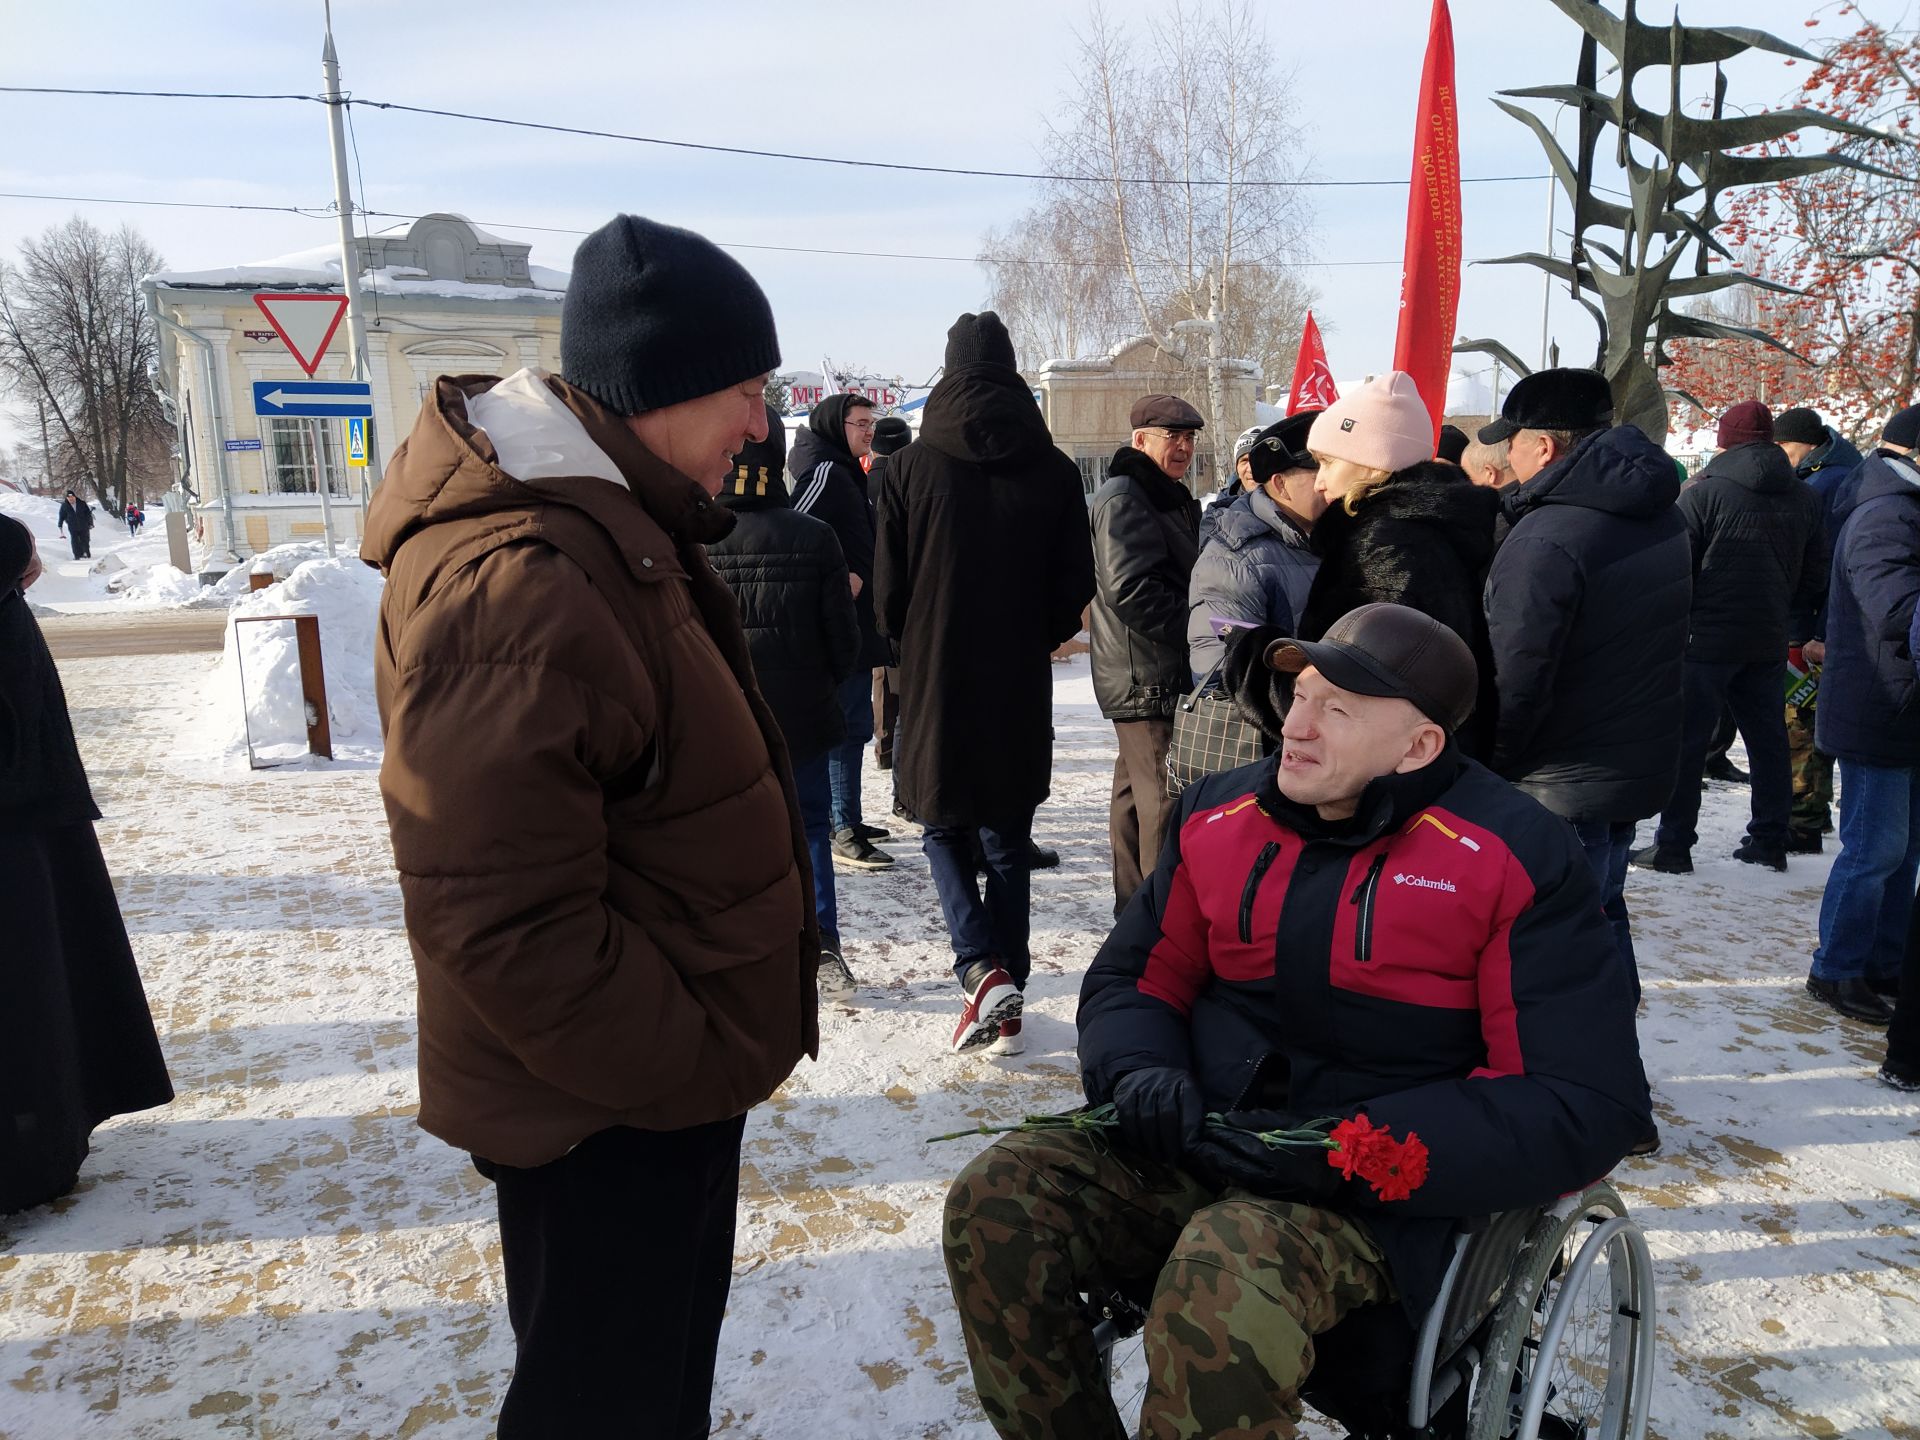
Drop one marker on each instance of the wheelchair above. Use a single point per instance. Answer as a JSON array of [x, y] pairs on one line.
[[1543, 1330]]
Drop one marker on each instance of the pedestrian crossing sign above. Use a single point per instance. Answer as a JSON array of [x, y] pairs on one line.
[[356, 441]]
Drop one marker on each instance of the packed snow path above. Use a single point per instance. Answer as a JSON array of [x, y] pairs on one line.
[[282, 1254]]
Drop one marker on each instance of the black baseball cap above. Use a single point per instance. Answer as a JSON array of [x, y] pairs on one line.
[[1391, 650], [1562, 399], [1281, 447]]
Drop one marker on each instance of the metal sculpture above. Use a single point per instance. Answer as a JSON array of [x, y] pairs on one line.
[[1629, 284]]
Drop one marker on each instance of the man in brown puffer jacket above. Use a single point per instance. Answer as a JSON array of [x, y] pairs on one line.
[[606, 884]]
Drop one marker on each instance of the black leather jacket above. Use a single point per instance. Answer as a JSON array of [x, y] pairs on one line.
[[1145, 540]]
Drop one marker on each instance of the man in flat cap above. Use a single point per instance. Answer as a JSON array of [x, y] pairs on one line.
[[1587, 613], [1145, 540], [1366, 923]]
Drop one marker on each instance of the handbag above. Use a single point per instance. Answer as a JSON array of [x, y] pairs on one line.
[[1210, 735]]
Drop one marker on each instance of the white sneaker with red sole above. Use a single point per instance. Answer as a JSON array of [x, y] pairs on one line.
[[994, 1000], [1011, 1041]]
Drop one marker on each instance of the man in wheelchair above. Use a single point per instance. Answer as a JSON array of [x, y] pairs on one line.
[[1367, 923]]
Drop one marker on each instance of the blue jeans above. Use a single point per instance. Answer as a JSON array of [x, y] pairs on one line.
[[816, 799], [1869, 899], [995, 928], [843, 761], [1607, 843], [1752, 691]]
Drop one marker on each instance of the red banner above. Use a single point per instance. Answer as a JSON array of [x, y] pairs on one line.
[[1313, 387], [1430, 279]]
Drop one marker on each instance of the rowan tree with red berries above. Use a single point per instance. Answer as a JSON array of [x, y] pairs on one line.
[[1847, 239]]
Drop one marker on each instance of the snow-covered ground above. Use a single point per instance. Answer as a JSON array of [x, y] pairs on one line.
[[282, 1254]]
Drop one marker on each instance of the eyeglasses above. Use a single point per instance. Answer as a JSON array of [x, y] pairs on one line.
[[865, 426], [1175, 437]]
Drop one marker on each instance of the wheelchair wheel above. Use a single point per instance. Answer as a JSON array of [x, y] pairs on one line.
[[1569, 1354]]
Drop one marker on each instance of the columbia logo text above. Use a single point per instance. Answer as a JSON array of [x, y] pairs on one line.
[[1421, 882]]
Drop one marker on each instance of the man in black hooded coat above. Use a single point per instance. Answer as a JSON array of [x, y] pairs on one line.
[[76, 1040], [829, 484], [984, 566]]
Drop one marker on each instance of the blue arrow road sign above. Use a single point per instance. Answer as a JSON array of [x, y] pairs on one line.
[[313, 398]]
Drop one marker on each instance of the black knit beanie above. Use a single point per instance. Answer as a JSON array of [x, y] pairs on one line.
[[1903, 428], [759, 471], [1800, 425], [890, 434], [655, 315], [979, 339]]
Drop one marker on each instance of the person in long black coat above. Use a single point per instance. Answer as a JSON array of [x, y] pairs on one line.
[[76, 518], [77, 1043], [789, 577], [984, 565]]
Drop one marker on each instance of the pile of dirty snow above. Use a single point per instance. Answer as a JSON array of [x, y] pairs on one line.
[[345, 594]]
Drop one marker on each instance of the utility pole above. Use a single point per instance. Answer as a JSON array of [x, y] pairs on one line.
[[349, 261]]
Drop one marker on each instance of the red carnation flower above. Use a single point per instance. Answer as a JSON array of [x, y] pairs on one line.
[[1352, 1142], [1394, 1168], [1398, 1168]]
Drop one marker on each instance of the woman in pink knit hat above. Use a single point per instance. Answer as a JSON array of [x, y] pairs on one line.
[[1399, 525]]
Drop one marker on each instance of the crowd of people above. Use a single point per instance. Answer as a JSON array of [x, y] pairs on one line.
[[1387, 716]]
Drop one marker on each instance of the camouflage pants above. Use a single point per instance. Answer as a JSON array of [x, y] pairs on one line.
[[1243, 1285], [1812, 776]]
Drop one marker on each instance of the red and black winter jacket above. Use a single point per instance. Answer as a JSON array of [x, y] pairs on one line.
[[1439, 962]]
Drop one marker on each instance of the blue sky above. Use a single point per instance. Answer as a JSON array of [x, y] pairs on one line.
[[958, 85]]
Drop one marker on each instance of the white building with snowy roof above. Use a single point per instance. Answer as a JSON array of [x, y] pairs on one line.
[[442, 297]]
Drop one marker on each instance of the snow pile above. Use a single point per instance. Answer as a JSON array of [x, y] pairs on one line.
[[38, 513], [158, 585], [345, 595], [281, 560]]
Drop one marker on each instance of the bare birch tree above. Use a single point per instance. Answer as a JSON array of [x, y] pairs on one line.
[[76, 342], [1179, 217]]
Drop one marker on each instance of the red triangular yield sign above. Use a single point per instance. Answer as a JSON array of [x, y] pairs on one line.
[[305, 322]]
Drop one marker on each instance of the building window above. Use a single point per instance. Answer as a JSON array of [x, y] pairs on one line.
[[288, 453], [1093, 470]]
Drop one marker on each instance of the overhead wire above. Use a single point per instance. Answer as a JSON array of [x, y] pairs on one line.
[[328, 212], [744, 150]]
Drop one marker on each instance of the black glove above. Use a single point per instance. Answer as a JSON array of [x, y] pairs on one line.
[[1232, 1155], [1159, 1111]]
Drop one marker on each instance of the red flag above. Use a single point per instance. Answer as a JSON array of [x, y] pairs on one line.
[[1430, 279], [1313, 387]]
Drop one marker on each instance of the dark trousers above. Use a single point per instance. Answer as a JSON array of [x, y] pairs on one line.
[[1724, 732], [618, 1258], [1753, 690], [886, 714], [1903, 1035], [994, 926], [1137, 817], [815, 793], [843, 761], [1867, 906], [1607, 843], [81, 541]]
